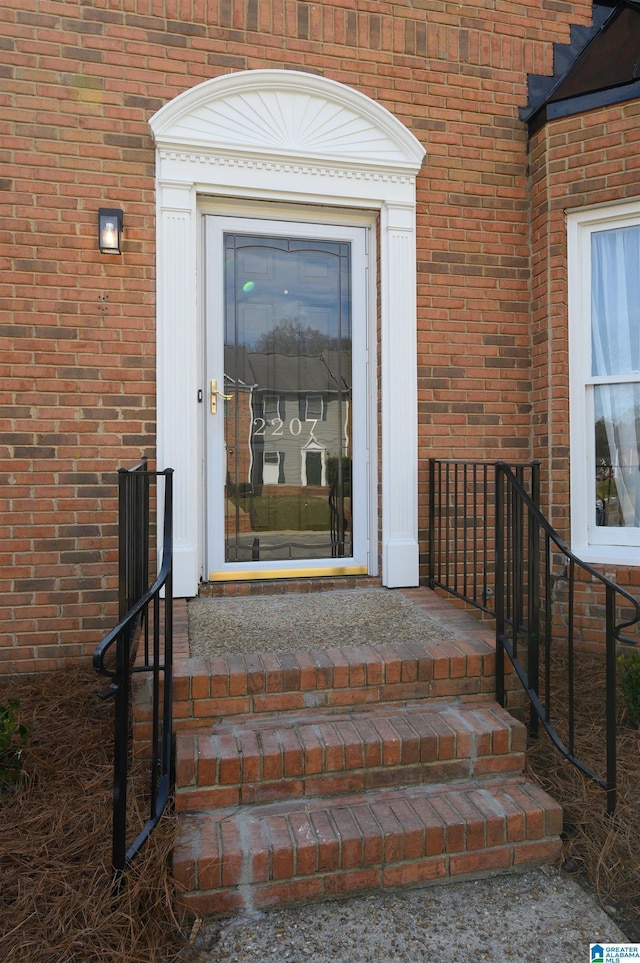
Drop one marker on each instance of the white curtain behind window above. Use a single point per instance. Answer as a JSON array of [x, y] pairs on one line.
[[615, 330]]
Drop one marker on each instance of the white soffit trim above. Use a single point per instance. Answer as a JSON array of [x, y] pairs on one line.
[[286, 113]]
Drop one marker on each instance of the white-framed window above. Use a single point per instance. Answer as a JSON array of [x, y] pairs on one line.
[[271, 407], [314, 408], [604, 365], [271, 468]]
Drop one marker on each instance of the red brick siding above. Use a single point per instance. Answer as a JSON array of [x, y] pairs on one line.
[[581, 161], [79, 83]]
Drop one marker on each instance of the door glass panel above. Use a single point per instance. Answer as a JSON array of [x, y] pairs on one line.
[[288, 370]]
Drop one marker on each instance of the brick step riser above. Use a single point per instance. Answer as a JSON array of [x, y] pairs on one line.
[[208, 689], [195, 799], [201, 713], [254, 858], [313, 755]]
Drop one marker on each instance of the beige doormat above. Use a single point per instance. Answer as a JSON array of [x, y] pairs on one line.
[[277, 623]]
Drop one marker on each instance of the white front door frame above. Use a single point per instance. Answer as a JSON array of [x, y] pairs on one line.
[[339, 225], [290, 137]]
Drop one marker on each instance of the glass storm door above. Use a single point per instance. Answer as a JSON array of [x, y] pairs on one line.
[[286, 416]]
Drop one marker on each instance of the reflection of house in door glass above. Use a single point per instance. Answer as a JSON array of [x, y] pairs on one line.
[[288, 423], [289, 452]]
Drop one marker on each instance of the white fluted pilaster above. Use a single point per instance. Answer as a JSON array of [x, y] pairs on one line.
[[177, 375], [399, 397]]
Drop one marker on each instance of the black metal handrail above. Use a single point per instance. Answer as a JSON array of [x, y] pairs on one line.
[[462, 527], [115, 657], [527, 547]]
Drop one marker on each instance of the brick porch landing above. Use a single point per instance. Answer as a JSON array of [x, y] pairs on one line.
[[315, 774]]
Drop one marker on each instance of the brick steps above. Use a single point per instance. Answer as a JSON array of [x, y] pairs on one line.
[[246, 858], [315, 774], [262, 760]]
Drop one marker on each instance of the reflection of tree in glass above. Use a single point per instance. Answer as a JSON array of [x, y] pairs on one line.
[[614, 433], [333, 462], [602, 443], [290, 338]]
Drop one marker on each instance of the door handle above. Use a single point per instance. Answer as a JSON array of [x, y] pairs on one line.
[[214, 396]]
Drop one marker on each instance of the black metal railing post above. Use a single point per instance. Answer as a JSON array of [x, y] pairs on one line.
[[499, 599], [155, 660], [612, 764], [161, 758], [121, 751], [533, 613], [133, 535], [517, 553], [432, 522]]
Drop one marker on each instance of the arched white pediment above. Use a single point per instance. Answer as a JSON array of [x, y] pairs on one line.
[[285, 114]]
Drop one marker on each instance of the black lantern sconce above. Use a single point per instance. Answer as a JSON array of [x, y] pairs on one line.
[[110, 227]]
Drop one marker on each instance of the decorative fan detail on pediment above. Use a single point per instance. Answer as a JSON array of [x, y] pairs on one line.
[[286, 114]]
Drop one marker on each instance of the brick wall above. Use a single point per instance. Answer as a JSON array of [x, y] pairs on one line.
[[581, 161], [80, 79]]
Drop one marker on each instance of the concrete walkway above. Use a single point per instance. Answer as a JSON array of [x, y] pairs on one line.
[[536, 916]]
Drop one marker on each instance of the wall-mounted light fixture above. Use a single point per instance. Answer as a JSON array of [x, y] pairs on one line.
[[110, 226]]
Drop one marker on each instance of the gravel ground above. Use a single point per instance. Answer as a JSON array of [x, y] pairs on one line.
[[535, 916], [273, 623]]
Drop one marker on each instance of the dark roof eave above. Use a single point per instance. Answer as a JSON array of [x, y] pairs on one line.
[[579, 105]]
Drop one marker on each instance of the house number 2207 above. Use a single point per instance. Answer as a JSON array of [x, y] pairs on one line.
[[276, 426]]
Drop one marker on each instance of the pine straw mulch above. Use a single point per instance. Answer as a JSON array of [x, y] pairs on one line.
[[600, 850], [56, 901]]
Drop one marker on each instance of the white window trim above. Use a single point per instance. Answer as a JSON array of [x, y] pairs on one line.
[[288, 137], [268, 402], [307, 399], [317, 449], [589, 542]]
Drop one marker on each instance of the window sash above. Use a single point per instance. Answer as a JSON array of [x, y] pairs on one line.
[[604, 355], [615, 301]]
